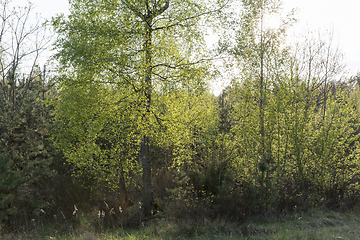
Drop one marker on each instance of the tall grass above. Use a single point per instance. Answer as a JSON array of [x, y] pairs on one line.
[[311, 225]]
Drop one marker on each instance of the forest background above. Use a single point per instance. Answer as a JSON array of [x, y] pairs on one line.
[[124, 129]]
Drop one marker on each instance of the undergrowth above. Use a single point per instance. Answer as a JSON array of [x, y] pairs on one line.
[[311, 225]]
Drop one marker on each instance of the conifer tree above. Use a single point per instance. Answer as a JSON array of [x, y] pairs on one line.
[[25, 153]]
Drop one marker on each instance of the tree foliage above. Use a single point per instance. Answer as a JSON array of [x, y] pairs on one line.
[[141, 48], [287, 123], [139, 136]]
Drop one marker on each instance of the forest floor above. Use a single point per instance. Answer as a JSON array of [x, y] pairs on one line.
[[312, 225]]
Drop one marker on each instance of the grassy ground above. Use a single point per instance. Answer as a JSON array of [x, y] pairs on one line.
[[313, 225]]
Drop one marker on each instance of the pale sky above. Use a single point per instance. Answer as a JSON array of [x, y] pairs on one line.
[[340, 16]]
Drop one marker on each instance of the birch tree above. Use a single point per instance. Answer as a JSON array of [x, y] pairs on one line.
[[138, 47]]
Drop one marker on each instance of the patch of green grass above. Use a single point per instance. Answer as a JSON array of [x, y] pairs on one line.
[[312, 225]]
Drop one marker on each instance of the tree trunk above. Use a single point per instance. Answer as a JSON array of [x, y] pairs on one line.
[[147, 191]]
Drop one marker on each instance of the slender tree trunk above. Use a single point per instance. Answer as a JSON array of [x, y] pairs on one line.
[[261, 106], [147, 191], [144, 154]]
